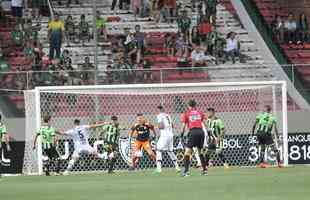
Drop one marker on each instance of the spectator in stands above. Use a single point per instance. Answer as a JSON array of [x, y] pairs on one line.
[[84, 33], [290, 29], [29, 50], [128, 43], [278, 28], [101, 26], [17, 9], [37, 63], [198, 57], [31, 32], [181, 46], [66, 61], [69, 2], [55, 34], [194, 36], [163, 11], [4, 66], [210, 41], [2, 15], [232, 47], [204, 27], [147, 72], [184, 23], [218, 49], [136, 6], [140, 43], [18, 36], [210, 6], [69, 29], [303, 29], [144, 9], [88, 71], [169, 44], [120, 5], [35, 5], [109, 75], [172, 8]]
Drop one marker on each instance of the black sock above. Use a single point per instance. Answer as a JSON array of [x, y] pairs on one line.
[[111, 164], [262, 155], [186, 163], [222, 157], [57, 165], [277, 155], [203, 162], [47, 167], [207, 159]]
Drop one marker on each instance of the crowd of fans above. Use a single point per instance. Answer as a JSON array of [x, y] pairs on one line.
[[196, 44], [291, 30]]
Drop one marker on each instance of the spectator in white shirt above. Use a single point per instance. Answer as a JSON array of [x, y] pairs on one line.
[[198, 57], [232, 47], [290, 29], [278, 28]]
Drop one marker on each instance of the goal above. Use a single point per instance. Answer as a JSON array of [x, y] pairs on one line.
[[237, 103]]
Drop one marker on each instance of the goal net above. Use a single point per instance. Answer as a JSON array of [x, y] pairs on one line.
[[236, 103]]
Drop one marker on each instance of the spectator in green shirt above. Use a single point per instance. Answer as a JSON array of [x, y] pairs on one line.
[[18, 36], [29, 50], [184, 23], [101, 26], [4, 66]]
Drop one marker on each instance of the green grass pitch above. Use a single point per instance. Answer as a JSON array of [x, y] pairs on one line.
[[234, 184]]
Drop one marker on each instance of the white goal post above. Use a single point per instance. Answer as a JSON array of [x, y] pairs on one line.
[[237, 103]]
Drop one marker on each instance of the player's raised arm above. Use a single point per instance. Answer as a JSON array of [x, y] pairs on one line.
[[96, 125]]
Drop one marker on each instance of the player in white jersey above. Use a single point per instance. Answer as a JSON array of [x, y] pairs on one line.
[[80, 136], [165, 141]]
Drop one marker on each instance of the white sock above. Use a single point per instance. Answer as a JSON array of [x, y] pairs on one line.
[[71, 164], [158, 160], [196, 153], [173, 157]]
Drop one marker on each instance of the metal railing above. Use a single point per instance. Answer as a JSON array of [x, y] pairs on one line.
[[26, 80]]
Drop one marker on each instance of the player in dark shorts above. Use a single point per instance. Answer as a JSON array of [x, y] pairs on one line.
[[3, 133], [193, 120], [141, 131], [111, 133], [48, 139], [264, 124], [216, 132]]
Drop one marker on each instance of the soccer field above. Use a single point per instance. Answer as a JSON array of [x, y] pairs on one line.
[[234, 184]]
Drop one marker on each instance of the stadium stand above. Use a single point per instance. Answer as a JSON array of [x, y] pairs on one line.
[[298, 50], [163, 67]]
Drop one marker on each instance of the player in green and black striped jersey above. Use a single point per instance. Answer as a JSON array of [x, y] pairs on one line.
[[3, 135], [111, 132], [48, 140], [216, 131], [264, 125]]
